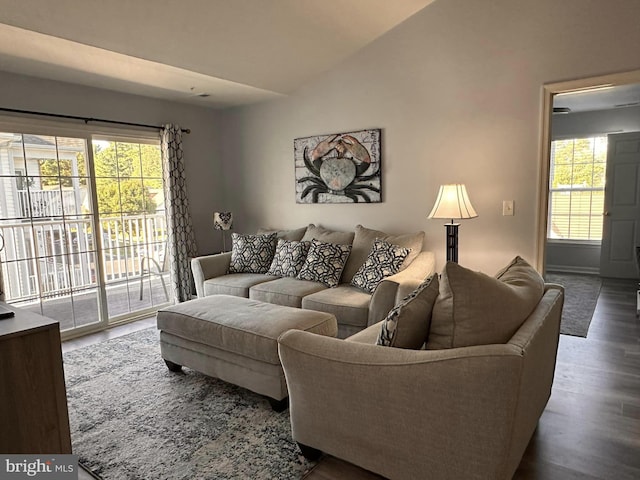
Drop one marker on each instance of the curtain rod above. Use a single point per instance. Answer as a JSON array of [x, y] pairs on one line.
[[87, 119]]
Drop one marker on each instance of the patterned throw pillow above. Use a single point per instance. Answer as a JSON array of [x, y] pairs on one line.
[[384, 260], [407, 324], [289, 258], [324, 263], [252, 253]]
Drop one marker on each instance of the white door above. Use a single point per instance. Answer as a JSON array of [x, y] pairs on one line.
[[621, 226]]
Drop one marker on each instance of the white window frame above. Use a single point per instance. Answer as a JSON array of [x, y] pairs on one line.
[[569, 190]]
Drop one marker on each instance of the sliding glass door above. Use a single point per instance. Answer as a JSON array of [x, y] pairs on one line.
[[83, 226], [128, 178], [46, 219]]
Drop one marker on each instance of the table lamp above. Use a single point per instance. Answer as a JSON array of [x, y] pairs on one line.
[[452, 202], [222, 221]]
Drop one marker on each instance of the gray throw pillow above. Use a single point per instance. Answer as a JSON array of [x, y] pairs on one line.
[[289, 258], [252, 253], [476, 309], [324, 263], [363, 241], [407, 324], [328, 236], [383, 260], [295, 234]]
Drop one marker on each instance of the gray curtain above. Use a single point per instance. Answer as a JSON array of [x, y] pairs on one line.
[[181, 243]]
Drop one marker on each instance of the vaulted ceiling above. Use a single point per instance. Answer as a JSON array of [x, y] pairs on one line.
[[205, 52]]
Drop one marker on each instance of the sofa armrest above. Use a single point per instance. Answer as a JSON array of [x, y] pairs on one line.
[[209, 266], [395, 287], [401, 413]]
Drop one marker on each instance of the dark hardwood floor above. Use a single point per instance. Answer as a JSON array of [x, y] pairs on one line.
[[591, 426], [108, 334]]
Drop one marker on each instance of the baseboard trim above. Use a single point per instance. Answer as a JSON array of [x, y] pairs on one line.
[[573, 269]]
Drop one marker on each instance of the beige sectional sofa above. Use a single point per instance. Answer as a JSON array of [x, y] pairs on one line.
[[353, 308], [462, 407]]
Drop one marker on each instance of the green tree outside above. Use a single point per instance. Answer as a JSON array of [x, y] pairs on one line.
[[124, 160], [578, 172], [51, 169], [579, 163], [126, 174], [128, 177], [127, 196]]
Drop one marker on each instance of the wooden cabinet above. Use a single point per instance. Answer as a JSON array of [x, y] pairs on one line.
[[33, 399]]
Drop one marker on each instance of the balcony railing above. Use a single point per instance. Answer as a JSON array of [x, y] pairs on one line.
[[50, 258], [47, 203]]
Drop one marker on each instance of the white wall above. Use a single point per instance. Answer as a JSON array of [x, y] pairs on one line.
[[457, 91], [200, 147], [572, 257]]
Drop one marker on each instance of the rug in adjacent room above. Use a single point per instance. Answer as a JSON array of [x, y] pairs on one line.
[[580, 298], [133, 419]]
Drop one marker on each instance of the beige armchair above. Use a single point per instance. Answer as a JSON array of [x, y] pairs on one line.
[[463, 413]]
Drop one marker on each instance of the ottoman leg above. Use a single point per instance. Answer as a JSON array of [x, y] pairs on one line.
[[279, 405], [174, 367]]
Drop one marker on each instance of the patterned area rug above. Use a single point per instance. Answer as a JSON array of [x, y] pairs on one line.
[[581, 296], [133, 419]]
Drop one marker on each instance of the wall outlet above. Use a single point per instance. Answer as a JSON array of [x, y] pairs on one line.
[[507, 207]]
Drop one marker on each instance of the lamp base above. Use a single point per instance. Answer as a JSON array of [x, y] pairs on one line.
[[452, 241]]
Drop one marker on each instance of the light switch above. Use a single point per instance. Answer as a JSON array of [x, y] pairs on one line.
[[507, 207]]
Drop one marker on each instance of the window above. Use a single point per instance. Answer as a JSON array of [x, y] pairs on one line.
[[576, 188], [83, 222]]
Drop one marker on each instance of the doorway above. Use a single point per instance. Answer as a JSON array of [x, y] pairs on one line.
[[621, 116]]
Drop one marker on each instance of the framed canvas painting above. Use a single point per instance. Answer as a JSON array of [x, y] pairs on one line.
[[338, 168]]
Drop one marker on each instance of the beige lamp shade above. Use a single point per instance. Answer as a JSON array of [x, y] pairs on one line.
[[453, 202], [222, 220]]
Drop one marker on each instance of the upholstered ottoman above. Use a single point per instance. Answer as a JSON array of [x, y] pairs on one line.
[[235, 339]]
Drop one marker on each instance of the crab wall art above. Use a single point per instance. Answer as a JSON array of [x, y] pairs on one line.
[[338, 168]]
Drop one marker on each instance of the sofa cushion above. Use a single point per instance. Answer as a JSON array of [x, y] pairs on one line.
[[324, 263], [383, 260], [289, 258], [363, 241], [407, 324], [252, 253], [328, 236], [285, 291], [236, 284], [348, 304], [476, 309], [295, 234]]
